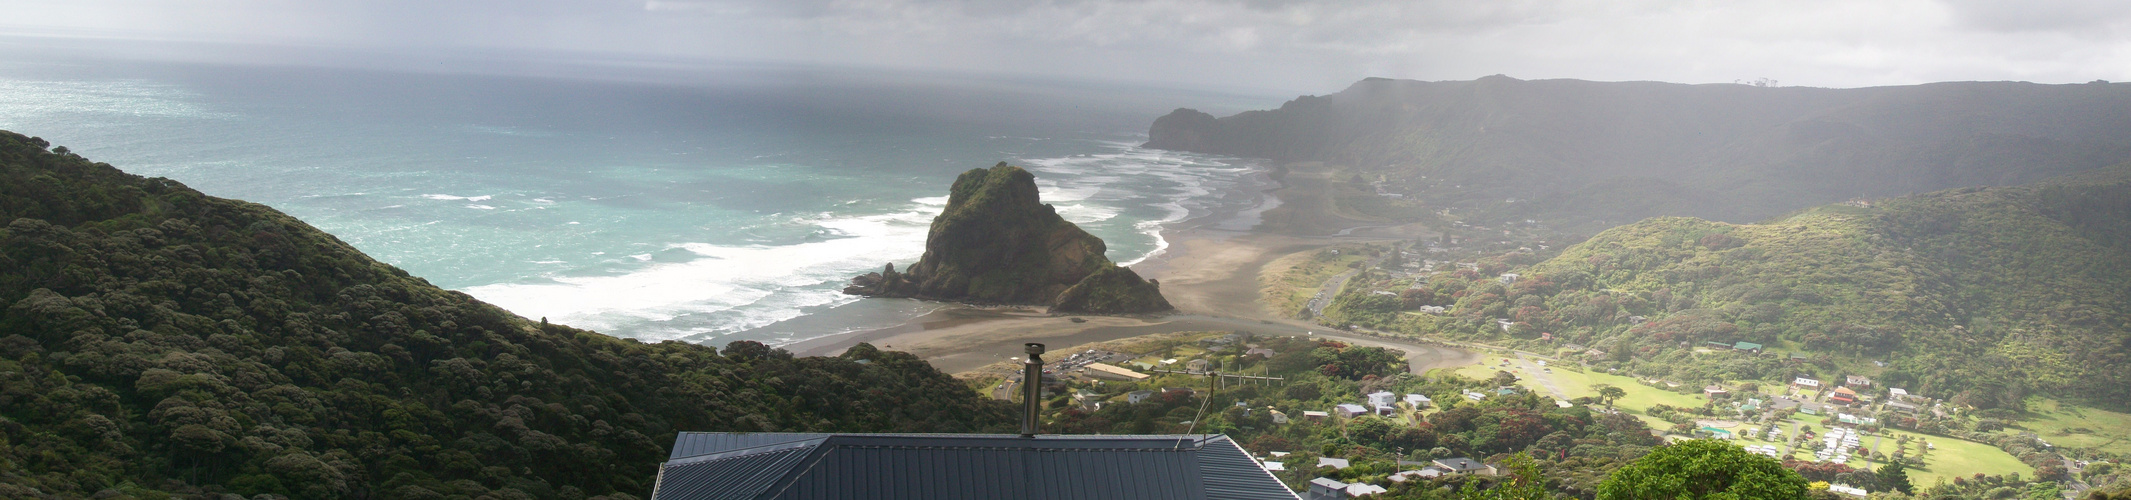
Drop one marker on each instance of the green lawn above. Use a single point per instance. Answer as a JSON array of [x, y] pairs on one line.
[[1953, 457], [1576, 384], [2058, 424]]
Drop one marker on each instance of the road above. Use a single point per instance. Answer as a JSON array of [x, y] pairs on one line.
[[1337, 282], [1539, 373]]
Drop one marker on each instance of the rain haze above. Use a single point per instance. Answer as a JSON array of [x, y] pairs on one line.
[[1270, 46]]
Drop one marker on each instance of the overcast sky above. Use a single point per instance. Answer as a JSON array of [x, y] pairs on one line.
[[1272, 45]]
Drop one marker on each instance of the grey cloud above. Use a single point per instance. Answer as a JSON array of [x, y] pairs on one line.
[[1288, 45], [2071, 16]]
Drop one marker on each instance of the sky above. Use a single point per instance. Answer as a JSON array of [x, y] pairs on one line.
[[1277, 46]]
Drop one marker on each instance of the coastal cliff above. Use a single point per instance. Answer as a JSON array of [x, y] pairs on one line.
[[997, 243], [1115, 290]]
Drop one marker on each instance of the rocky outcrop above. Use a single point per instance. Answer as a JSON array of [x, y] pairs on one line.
[[997, 243], [1185, 129], [1116, 290]]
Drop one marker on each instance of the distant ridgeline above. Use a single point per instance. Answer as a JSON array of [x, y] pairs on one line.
[[997, 243], [1573, 153], [1978, 295], [154, 339]]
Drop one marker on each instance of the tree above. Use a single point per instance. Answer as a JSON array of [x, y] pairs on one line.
[[1609, 393], [1520, 481], [1895, 477], [1702, 469]]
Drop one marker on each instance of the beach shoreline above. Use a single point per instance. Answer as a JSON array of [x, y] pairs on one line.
[[1209, 271]]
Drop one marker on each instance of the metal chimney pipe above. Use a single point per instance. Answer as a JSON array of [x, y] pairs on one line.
[[1031, 388]]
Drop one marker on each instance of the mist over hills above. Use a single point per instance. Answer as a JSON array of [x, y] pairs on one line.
[[1982, 295], [1574, 153]]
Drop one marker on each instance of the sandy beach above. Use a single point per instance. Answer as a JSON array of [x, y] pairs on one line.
[[1209, 273]]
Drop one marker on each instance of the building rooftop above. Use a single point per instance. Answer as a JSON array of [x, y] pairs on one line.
[[809, 466]]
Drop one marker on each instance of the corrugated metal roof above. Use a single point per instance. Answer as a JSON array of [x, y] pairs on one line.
[[839, 466], [690, 444], [1230, 473]]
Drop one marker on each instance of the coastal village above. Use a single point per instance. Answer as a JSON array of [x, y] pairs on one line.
[[1846, 424]]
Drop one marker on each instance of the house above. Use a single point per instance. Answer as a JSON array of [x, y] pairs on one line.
[[1897, 392], [1848, 490], [1508, 278], [1137, 396], [1197, 365], [1747, 346], [1113, 372], [1418, 401], [1260, 352], [1806, 383], [1273, 466], [1381, 398], [1335, 463], [1350, 410], [1277, 416], [1462, 465], [1637, 320], [1432, 309], [1856, 381], [1505, 324], [1843, 395], [1901, 407], [1422, 474], [1718, 433], [1713, 390], [1505, 390], [1316, 416], [1798, 357], [1475, 396], [1325, 488], [1855, 420], [1178, 390], [1088, 399], [772, 465]]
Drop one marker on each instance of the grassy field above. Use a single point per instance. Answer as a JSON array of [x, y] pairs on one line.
[[2078, 427], [1290, 281], [1953, 457]]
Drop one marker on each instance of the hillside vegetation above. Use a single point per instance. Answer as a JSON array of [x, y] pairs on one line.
[[1983, 296], [1578, 155], [158, 341]]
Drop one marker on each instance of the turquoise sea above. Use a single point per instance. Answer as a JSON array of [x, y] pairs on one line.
[[706, 206]]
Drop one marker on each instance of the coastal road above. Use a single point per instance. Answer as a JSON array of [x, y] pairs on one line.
[[1338, 282]]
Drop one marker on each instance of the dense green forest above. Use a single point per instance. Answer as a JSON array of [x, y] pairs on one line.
[[1982, 296], [159, 342], [1580, 155]]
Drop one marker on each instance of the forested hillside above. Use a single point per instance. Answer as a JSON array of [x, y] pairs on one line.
[[1575, 154], [155, 340], [1978, 295]]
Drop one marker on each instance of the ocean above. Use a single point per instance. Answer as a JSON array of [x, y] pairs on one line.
[[732, 204]]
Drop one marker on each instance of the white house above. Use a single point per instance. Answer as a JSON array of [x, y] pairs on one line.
[[1381, 398], [1418, 401], [1462, 465], [1351, 410], [1806, 383]]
